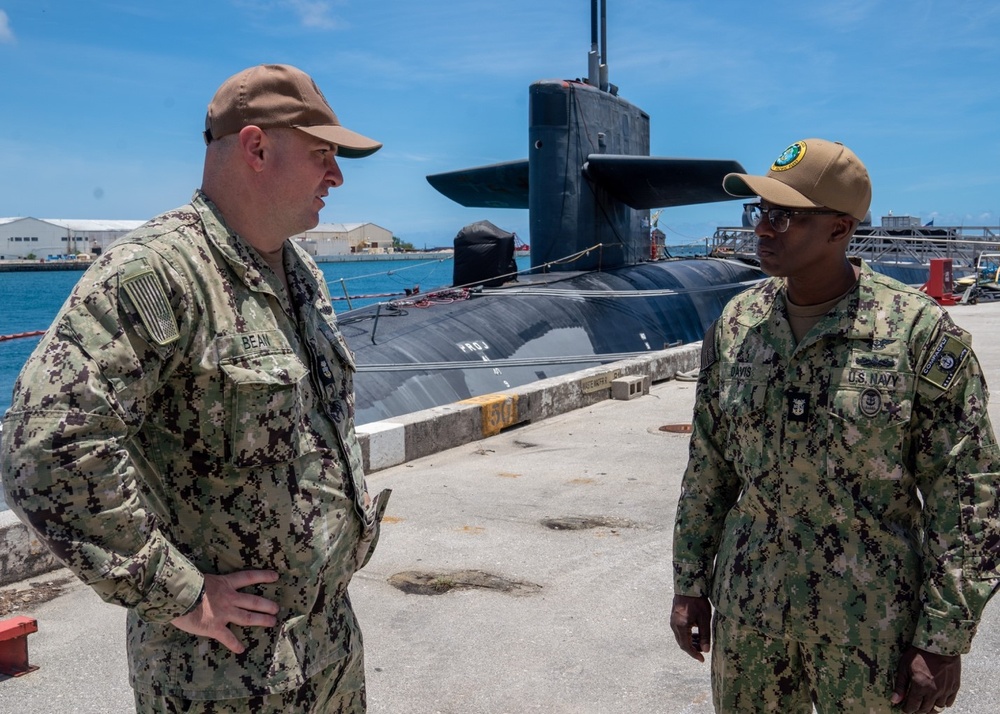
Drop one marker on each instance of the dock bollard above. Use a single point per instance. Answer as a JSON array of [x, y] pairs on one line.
[[14, 645]]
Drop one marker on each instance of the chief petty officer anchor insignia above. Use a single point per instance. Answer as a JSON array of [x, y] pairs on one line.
[[798, 406]]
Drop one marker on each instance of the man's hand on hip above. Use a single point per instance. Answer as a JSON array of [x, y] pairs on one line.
[[222, 605]]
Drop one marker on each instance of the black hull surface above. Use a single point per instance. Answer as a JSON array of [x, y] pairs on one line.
[[415, 354], [910, 274]]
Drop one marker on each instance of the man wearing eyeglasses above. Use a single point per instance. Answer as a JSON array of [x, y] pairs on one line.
[[839, 508]]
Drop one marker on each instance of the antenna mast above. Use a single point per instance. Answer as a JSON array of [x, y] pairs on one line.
[[604, 45], [597, 59], [594, 56]]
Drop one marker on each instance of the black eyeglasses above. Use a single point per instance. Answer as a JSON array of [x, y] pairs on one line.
[[779, 218]]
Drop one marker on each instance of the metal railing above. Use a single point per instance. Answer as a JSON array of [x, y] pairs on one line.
[[909, 246]]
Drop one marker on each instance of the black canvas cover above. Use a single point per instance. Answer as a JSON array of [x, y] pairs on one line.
[[483, 253]]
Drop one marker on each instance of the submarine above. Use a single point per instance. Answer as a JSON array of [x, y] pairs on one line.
[[597, 292]]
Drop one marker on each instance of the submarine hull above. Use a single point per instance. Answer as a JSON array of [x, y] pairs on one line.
[[444, 347]]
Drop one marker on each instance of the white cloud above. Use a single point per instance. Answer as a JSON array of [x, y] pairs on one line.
[[314, 13], [6, 34], [309, 14]]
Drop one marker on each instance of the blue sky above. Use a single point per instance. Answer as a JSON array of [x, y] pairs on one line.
[[103, 101]]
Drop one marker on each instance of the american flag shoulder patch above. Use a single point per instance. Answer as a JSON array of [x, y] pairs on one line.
[[146, 294]]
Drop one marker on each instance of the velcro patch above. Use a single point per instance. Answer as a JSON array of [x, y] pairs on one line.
[[947, 357], [151, 303], [709, 354]]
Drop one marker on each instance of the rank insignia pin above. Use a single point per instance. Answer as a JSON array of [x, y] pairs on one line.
[[798, 406]]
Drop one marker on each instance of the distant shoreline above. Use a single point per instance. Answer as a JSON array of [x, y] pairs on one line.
[[23, 266], [19, 266], [373, 257]]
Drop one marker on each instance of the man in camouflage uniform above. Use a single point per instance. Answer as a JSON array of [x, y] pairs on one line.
[[839, 508], [183, 436]]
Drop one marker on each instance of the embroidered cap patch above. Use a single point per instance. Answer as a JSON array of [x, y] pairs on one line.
[[789, 157]]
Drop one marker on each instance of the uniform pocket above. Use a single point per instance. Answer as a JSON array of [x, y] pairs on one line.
[[867, 442], [264, 394], [869, 420], [742, 402]]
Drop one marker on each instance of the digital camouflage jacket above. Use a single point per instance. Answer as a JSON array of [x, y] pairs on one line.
[[845, 488], [184, 416]]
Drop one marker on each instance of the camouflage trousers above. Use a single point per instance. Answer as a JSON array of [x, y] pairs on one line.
[[754, 673], [338, 689]]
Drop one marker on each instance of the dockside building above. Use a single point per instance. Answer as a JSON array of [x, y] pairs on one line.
[[28, 238]]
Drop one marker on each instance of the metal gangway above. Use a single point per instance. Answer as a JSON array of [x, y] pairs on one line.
[[912, 246]]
